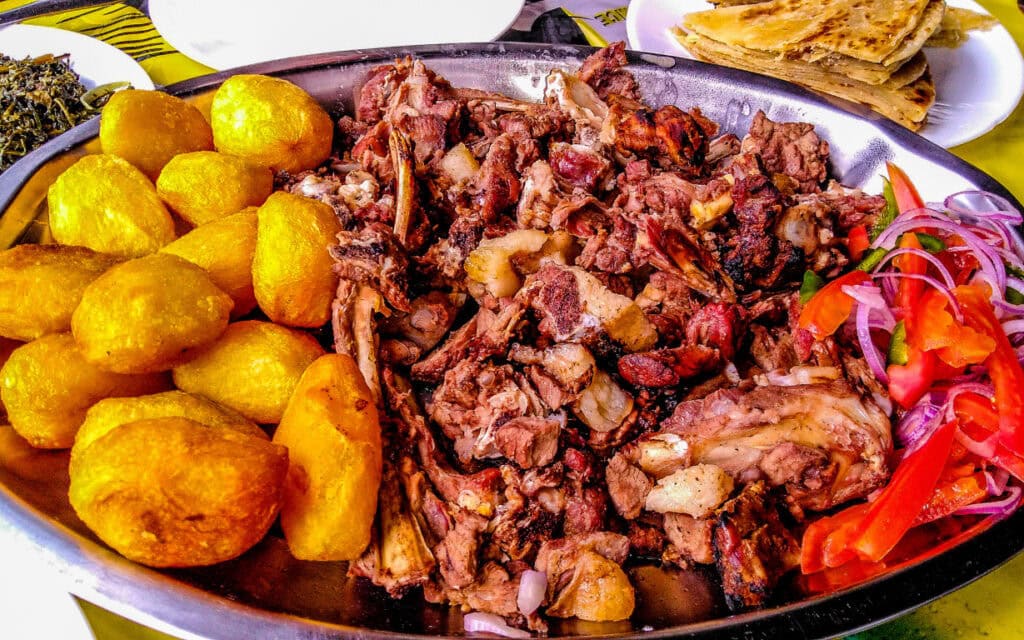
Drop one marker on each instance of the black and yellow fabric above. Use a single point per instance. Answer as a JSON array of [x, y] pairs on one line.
[[130, 30]]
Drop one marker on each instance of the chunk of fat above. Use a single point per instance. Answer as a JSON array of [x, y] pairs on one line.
[[696, 491]]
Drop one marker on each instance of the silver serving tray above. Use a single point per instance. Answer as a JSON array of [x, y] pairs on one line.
[[267, 594]]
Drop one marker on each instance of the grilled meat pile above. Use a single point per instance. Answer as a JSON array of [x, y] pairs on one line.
[[579, 319]]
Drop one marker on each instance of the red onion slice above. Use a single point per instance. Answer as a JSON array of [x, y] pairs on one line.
[[996, 481], [867, 346], [935, 262], [1002, 507], [478, 622], [533, 586]]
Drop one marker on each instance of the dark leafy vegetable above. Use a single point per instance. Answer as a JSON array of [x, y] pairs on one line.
[[39, 99]]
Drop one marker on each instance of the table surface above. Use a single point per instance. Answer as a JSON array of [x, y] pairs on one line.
[[988, 608]]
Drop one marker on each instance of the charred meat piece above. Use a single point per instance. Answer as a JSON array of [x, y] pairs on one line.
[[422, 108], [529, 441], [457, 553], [417, 332], [373, 257], [751, 255], [578, 166], [574, 306], [753, 549], [376, 92], [719, 326], [823, 443], [496, 186], [628, 486], [691, 539], [791, 148], [667, 135], [603, 70], [475, 400], [666, 367]]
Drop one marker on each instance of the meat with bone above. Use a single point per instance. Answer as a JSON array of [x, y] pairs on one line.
[[790, 148], [594, 299]]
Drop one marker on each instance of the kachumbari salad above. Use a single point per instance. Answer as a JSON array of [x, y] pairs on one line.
[[937, 307]]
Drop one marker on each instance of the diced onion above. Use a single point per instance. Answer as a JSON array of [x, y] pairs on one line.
[[533, 586], [478, 622]]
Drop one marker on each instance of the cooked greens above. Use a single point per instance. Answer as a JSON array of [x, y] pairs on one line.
[[39, 99]]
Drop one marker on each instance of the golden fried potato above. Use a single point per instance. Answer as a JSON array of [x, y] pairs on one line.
[[271, 122], [599, 591], [332, 432], [106, 415], [224, 248], [104, 203], [40, 285], [148, 128], [253, 368], [292, 272], [145, 314], [171, 492], [47, 386], [205, 185]]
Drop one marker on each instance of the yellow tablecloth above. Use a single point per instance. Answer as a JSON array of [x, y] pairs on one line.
[[991, 608]]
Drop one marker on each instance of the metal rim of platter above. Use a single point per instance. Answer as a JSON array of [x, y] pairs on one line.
[[861, 143]]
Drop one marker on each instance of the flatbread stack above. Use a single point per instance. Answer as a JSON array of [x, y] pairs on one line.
[[866, 51]]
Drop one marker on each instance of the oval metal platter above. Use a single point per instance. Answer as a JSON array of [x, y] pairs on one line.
[[266, 593]]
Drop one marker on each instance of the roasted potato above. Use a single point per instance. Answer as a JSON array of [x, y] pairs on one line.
[[106, 415], [104, 203], [40, 286], [146, 314], [47, 386], [332, 432], [205, 185], [292, 272], [253, 368], [271, 122], [148, 128], [171, 492], [224, 248]]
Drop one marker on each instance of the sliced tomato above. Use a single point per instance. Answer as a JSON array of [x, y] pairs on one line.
[[908, 382], [950, 495], [931, 327], [813, 555], [907, 198], [909, 290], [1003, 366], [857, 242], [830, 306], [893, 513]]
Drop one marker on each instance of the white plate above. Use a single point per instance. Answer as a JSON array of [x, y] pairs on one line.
[[95, 61], [977, 85], [232, 33]]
